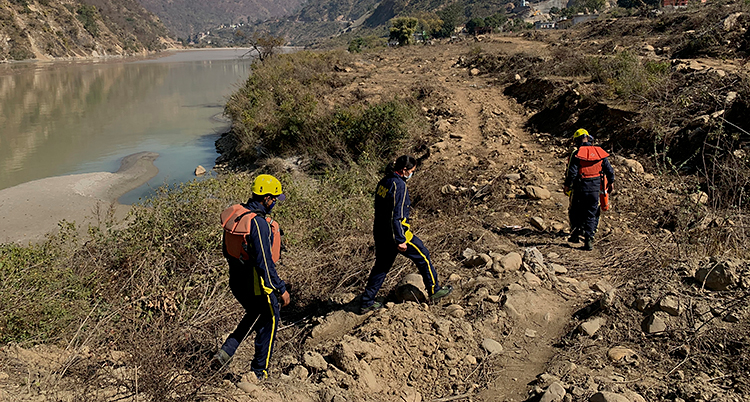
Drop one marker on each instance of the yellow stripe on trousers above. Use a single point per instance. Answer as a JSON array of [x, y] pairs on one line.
[[273, 334], [429, 267]]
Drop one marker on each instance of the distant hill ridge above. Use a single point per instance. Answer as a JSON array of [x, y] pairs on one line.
[[48, 29], [189, 17]]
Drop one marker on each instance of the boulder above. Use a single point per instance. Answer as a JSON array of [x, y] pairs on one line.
[[532, 279], [558, 269], [200, 170], [411, 288], [512, 177], [532, 256], [634, 166], [537, 193]]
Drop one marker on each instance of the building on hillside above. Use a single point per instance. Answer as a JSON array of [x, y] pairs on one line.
[[545, 25]]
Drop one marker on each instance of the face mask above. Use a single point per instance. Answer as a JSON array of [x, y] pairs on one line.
[[270, 207], [409, 176]]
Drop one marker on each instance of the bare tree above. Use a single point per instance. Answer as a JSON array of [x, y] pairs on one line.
[[262, 43]]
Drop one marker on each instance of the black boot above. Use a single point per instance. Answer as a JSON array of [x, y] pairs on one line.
[[588, 243], [574, 236]]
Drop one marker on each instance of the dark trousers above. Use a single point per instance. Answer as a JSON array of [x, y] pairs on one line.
[[584, 212], [385, 255], [261, 316]]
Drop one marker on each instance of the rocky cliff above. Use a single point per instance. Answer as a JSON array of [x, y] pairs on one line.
[[53, 29]]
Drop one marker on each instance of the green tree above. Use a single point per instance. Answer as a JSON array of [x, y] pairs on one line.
[[451, 15], [402, 29], [429, 23], [475, 24], [355, 46], [88, 16]]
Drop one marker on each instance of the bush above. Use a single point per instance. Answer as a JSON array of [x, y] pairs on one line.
[[280, 109]]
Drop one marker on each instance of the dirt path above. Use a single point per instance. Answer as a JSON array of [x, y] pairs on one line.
[[489, 126]]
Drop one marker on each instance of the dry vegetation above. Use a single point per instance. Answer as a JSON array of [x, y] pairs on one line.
[[139, 311]]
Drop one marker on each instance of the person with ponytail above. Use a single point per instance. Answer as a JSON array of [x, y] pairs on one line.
[[393, 235]]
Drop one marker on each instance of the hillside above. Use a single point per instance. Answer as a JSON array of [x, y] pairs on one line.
[[188, 17], [658, 311], [53, 29]]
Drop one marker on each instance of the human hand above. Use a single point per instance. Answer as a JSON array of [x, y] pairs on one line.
[[566, 190], [401, 247], [285, 299], [610, 188]]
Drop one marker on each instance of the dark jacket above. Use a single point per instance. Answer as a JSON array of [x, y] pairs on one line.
[[391, 209], [573, 178], [263, 276]]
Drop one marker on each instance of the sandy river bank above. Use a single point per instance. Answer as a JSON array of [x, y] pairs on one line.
[[30, 210]]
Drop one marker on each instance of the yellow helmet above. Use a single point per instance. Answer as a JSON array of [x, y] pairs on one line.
[[266, 184], [580, 132]]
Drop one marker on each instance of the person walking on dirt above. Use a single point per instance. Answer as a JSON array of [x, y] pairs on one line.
[[587, 167], [393, 236], [252, 246]]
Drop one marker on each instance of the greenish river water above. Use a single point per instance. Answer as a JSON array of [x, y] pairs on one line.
[[80, 117]]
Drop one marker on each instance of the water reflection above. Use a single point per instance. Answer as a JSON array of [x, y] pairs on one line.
[[58, 119]]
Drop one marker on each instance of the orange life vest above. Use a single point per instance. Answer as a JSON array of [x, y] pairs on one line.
[[236, 221], [590, 157]]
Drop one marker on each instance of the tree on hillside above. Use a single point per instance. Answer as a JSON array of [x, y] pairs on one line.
[[451, 15], [263, 43], [429, 23], [402, 29], [475, 24]]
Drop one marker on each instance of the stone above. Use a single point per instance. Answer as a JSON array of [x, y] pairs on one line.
[[670, 304], [634, 166], [532, 256], [648, 48], [530, 333], [653, 324], [593, 325], [247, 387], [633, 396], [200, 170], [532, 279], [608, 397], [731, 21], [492, 346], [299, 372], [448, 189], [478, 260], [314, 361], [602, 286], [622, 354], [558, 269], [470, 360], [468, 253], [642, 303], [537, 193], [716, 275], [731, 96], [474, 72], [511, 261], [538, 223], [411, 288], [493, 298], [699, 198], [517, 77], [455, 310], [344, 358], [512, 177], [453, 278], [554, 393]]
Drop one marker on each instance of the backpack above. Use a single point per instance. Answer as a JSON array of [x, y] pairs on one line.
[[236, 221]]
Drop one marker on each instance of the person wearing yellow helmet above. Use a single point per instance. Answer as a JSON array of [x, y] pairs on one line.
[[251, 246], [587, 168]]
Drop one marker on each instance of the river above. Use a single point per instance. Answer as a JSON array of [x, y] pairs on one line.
[[66, 118]]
